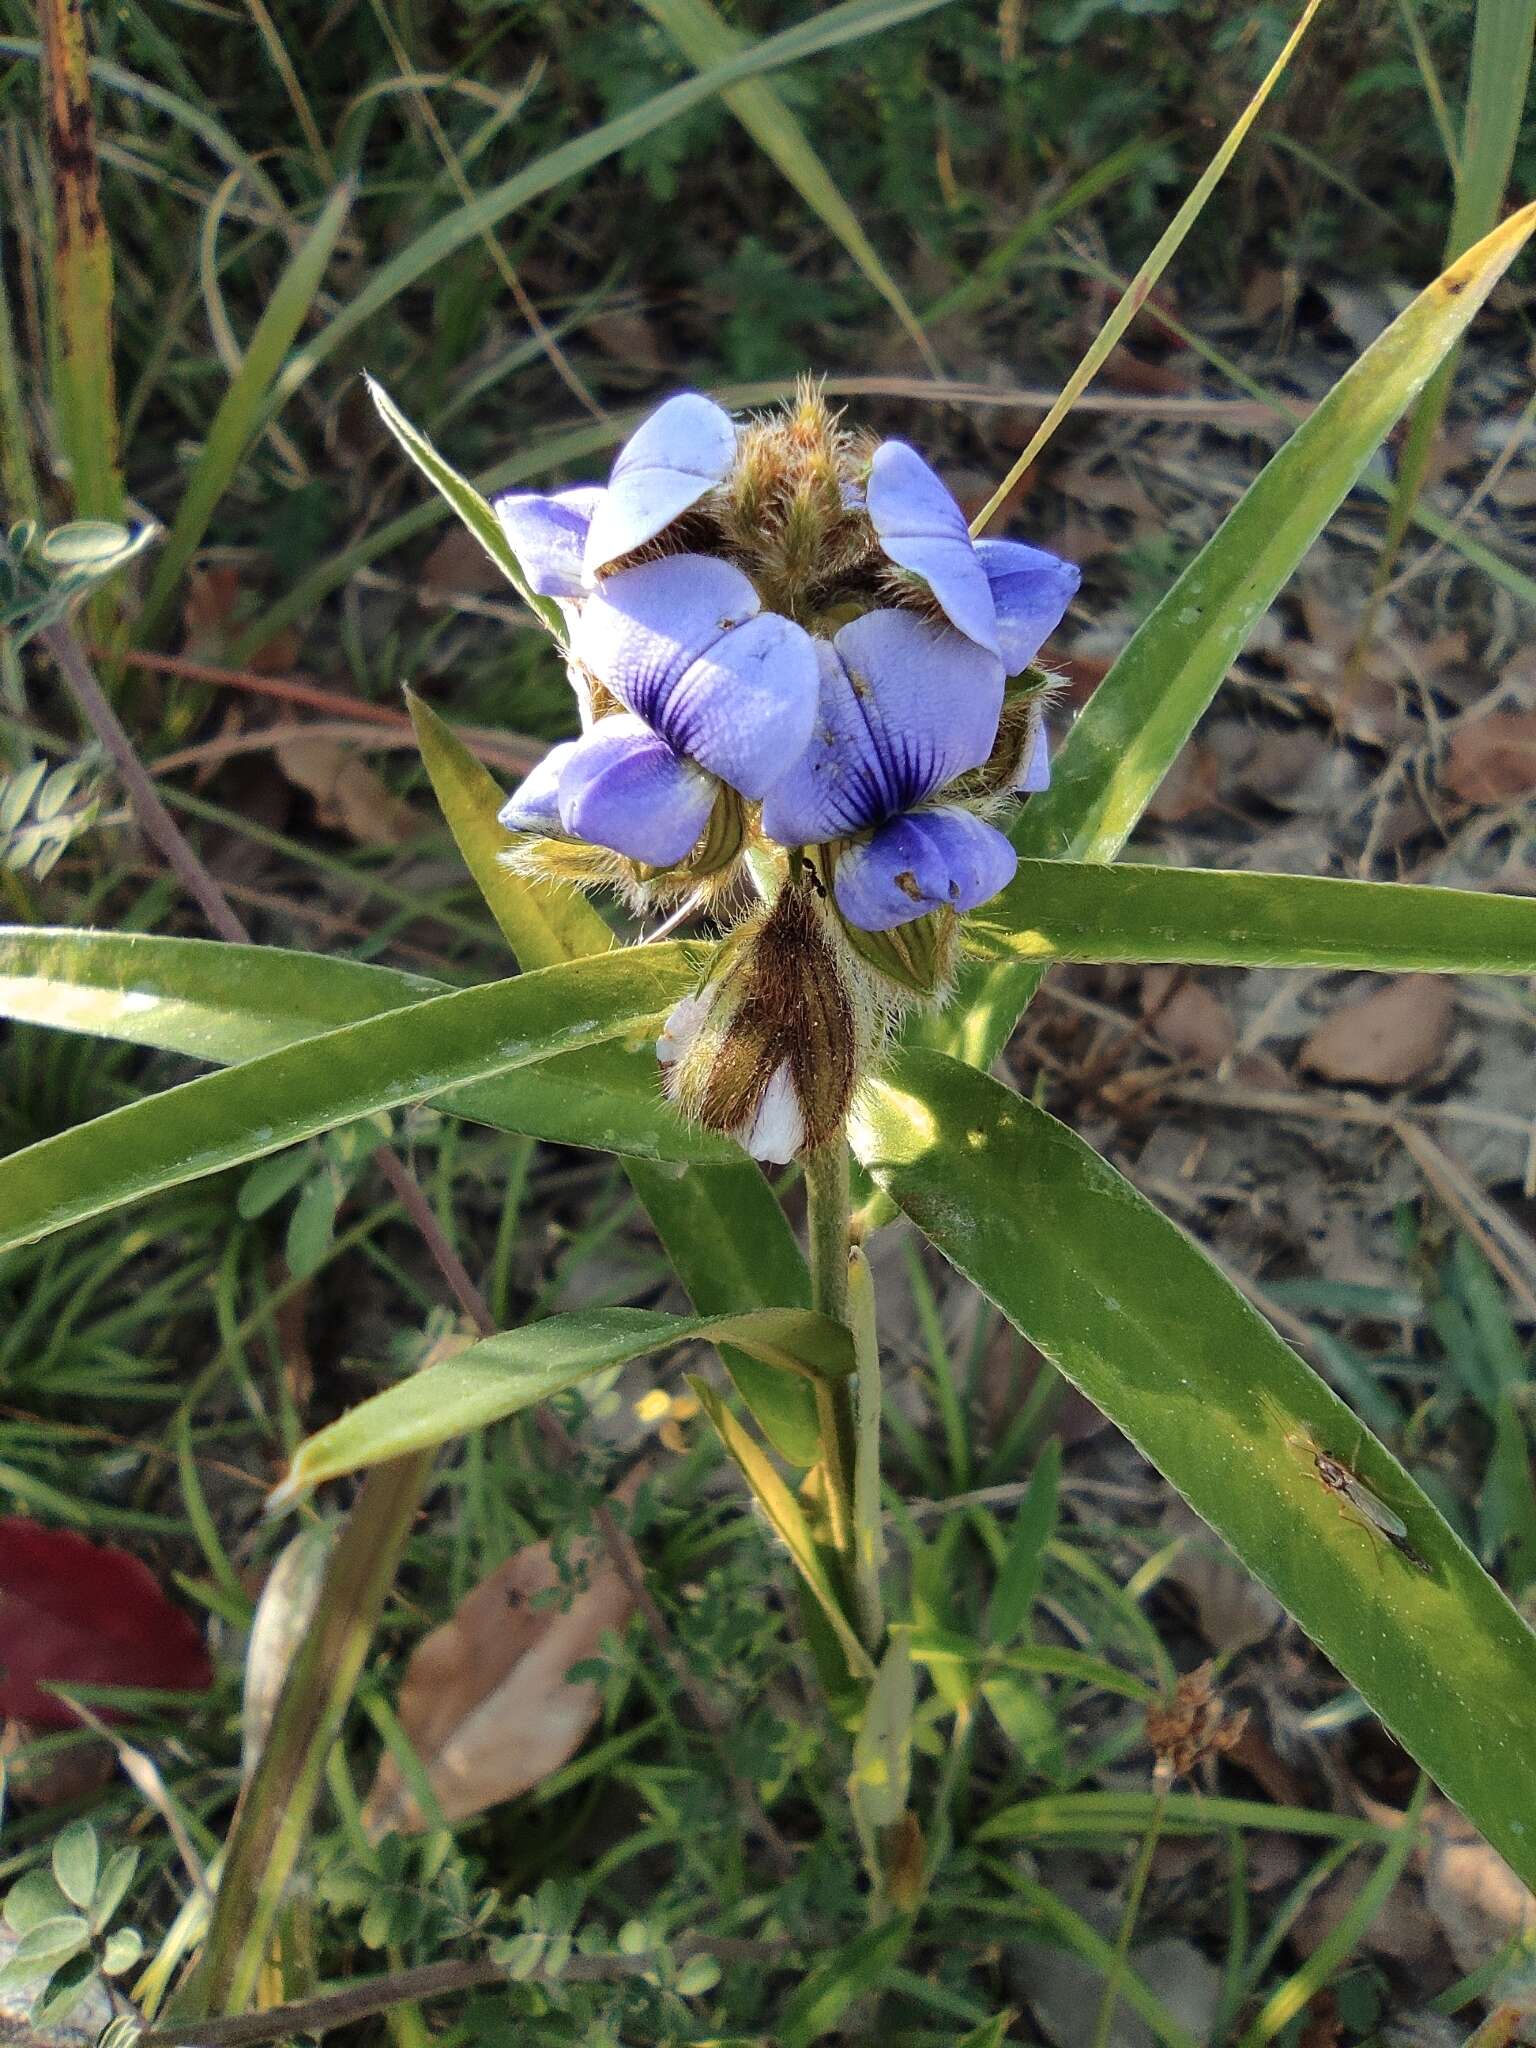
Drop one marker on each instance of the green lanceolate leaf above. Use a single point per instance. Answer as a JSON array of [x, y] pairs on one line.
[[508, 1373], [542, 924], [1080, 910], [467, 502], [732, 1248], [225, 1003], [384, 1062], [1134, 1314], [787, 1521], [1149, 703]]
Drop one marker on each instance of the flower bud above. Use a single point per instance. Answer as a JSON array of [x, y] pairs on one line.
[[769, 1051]]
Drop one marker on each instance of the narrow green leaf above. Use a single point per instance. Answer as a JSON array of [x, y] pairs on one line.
[[787, 1521], [882, 1749], [1062, 1817], [1145, 709], [1133, 1313], [705, 39], [244, 408], [467, 502], [851, 1971], [542, 925], [225, 1003], [1081, 910], [504, 1374], [1018, 1577], [404, 1056], [868, 1508], [937, 1648], [732, 1248]]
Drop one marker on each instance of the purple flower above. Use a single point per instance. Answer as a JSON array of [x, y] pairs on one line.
[[672, 459], [1004, 596], [717, 690], [904, 708]]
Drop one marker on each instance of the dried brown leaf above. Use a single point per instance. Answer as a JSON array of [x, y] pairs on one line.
[[348, 796], [1232, 1610], [486, 1701], [1386, 1038], [1473, 1894], [1187, 1017], [1191, 785], [1492, 760]]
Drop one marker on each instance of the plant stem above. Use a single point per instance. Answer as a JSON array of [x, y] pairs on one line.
[[868, 1531], [1128, 1918], [828, 1215]]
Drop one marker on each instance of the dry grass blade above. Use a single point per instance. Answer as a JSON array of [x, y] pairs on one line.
[[1140, 287], [81, 272]]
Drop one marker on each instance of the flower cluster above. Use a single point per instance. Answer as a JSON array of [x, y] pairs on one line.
[[784, 642]]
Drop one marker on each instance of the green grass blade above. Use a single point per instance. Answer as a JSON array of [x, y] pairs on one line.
[[991, 274], [385, 1062], [507, 1373], [224, 1003], [1145, 709], [1132, 1312], [1082, 910], [80, 274], [705, 39], [825, 30], [1497, 86], [1140, 288], [244, 407]]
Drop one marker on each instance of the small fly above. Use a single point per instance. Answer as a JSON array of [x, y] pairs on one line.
[[1357, 1503]]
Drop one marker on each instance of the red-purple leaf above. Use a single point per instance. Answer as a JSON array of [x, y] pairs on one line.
[[74, 1612]]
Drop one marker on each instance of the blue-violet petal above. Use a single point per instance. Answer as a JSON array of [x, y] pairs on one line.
[[548, 535], [928, 860], [904, 708], [922, 528], [683, 643], [534, 806], [624, 788], [683, 450], [1031, 591]]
